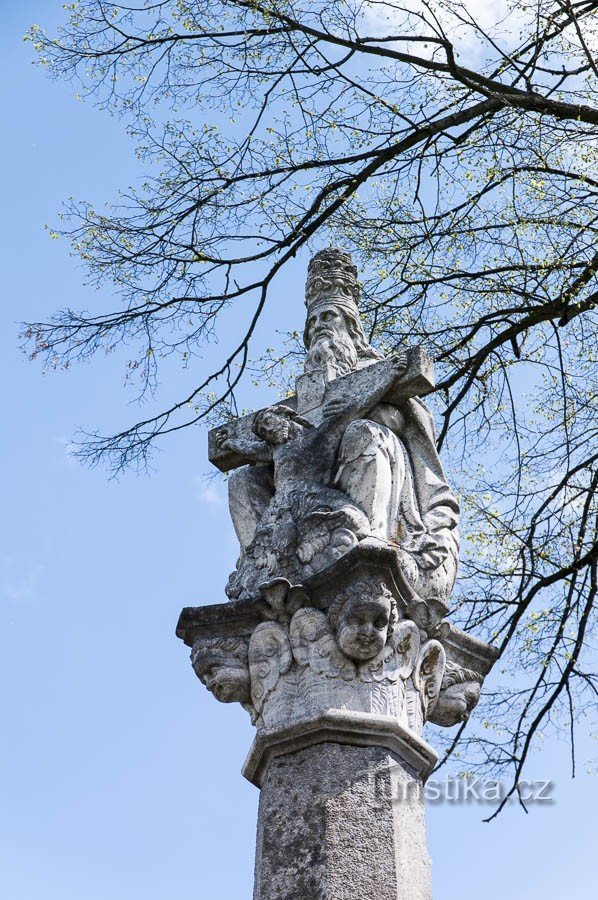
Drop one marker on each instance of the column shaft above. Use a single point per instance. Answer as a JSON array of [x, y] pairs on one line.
[[340, 822]]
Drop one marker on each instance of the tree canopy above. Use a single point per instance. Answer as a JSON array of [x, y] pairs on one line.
[[451, 147]]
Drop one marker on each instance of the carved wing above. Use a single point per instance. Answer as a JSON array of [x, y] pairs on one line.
[[314, 645], [269, 657], [397, 659], [406, 640], [429, 673]]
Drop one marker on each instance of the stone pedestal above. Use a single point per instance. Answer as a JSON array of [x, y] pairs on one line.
[[338, 752], [338, 822]]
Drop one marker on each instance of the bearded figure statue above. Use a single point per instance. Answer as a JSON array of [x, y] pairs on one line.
[[384, 461], [333, 332]]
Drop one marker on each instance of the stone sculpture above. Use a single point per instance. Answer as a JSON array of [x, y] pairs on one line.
[[379, 454], [459, 693], [336, 630], [221, 664]]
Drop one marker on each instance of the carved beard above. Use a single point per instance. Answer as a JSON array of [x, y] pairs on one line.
[[332, 347]]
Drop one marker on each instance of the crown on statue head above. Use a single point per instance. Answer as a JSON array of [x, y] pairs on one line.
[[332, 278]]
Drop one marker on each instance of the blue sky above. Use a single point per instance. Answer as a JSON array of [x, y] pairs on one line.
[[119, 774]]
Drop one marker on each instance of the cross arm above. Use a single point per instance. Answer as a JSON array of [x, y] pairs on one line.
[[233, 444]]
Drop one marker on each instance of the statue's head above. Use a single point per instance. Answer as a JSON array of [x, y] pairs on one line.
[[459, 693], [363, 618], [333, 329], [221, 664], [278, 424]]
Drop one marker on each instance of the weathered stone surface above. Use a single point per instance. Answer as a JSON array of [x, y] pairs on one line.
[[352, 456], [339, 726], [314, 389], [338, 822], [335, 638], [350, 638], [221, 663], [348, 535], [370, 558], [465, 649], [459, 693]]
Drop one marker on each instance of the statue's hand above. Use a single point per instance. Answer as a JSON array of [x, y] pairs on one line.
[[222, 440], [334, 407], [400, 361]]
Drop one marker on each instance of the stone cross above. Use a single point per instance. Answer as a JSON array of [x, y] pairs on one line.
[[335, 636], [316, 388]]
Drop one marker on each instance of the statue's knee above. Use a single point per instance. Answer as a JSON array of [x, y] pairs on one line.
[[360, 428], [359, 437], [364, 438]]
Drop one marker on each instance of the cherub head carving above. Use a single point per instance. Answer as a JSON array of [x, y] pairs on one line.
[[278, 424], [459, 693], [363, 618], [221, 664]]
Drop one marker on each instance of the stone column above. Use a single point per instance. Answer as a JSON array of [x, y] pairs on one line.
[[338, 753], [340, 821], [335, 640]]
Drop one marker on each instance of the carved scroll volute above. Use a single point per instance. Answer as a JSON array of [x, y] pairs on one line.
[[270, 657], [429, 673]]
